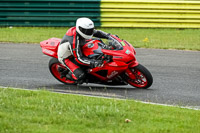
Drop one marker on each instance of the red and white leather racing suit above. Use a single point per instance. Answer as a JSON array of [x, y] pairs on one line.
[[69, 51]]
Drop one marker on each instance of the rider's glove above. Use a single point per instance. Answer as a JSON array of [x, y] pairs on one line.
[[96, 63]]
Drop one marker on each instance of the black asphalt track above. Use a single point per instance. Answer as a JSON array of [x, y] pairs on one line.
[[176, 75]]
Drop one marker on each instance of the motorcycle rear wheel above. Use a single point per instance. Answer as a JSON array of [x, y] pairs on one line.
[[140, 77], [54, 65]]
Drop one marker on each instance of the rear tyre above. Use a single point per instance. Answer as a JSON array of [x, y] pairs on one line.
[[139, 77], [56, 69]]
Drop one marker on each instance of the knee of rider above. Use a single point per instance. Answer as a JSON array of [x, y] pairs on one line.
[[63, 50], [60, 60]]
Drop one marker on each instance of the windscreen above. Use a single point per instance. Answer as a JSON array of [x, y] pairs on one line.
[[116, 44]]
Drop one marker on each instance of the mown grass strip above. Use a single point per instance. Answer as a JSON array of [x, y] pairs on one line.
[[185, 39], [43, 111]]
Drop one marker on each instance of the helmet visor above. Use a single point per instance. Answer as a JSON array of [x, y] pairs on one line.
[[88, 32]]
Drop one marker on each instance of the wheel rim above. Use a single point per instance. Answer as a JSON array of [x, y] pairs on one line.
[[137, 79], [57, 74]]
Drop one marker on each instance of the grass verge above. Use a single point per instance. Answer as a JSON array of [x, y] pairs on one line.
[[185, 39], [43, 111]]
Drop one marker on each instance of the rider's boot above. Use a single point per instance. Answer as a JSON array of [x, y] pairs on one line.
[[63, 73], [71, 76]]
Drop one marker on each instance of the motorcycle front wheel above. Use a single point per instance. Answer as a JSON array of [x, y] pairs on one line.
[[139, 77], [56, 69]]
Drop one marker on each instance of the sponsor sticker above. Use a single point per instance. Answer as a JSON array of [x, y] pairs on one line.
[[52, 43], [114, 73], [48, 51], [127, 52], [90, 45]]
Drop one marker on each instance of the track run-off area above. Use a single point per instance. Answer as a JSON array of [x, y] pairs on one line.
[[176, 75]]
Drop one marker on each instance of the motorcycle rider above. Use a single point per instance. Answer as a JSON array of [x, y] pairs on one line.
[[69, 50]]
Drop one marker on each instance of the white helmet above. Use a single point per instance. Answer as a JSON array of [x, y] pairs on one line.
[[85, 27]]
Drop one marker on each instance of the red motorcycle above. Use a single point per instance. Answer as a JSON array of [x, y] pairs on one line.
[[120, 66]]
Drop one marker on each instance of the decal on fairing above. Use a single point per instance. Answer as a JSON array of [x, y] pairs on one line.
[[127, 52], [48, 52], [90, 45], [119, 57], [114, 73], [52, 43]]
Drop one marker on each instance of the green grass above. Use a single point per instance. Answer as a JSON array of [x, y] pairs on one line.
[[43, 111], [184, 39]]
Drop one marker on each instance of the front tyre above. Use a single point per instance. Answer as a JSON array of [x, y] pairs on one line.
[[56, 68], [139, 77]]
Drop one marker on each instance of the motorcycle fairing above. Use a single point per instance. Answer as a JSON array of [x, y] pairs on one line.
[[113, 69], [50, 46]]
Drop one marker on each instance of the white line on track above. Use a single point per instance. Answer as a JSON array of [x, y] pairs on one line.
[[184, 107]]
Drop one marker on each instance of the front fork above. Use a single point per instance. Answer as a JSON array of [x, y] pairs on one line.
[[129, 72]]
